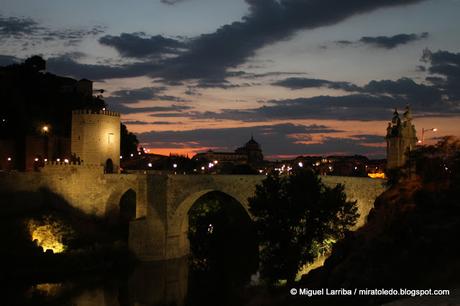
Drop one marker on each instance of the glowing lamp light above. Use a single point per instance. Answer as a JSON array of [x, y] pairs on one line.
[[174, 165], [66, 161], [36, 159], [139, 153], [8, 159], [150, 165], [46, 159], [210, 165], [216, 162], [202, 168], [58, 160], [132, 154], [45, 129], [121, 157], [435, 130], [300, 164], [377, 175]]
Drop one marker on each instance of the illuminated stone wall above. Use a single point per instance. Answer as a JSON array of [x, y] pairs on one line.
[[84, 187], [96, 137], [162, 201]]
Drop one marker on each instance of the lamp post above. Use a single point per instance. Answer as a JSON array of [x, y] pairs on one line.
[[45, 131], [423, 134]]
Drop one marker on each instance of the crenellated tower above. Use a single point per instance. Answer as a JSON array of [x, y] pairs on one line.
[[96, 138]]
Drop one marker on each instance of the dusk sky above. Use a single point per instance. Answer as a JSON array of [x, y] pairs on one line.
[[305, 77]]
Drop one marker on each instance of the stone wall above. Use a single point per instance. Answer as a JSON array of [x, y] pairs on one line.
[[83, 187]]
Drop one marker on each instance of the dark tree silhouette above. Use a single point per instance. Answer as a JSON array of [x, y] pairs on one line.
[[294, 216], [128, 141]]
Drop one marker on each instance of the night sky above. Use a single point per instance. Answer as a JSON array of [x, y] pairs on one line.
[[303, 76]]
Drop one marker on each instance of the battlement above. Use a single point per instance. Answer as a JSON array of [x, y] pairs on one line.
[[67, 164], [62, 167], [95, 112]]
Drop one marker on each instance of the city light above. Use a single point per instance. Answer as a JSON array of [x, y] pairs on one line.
[[422, 141], [58, 160], [150, 165], [66, 161], [132, 155], [8, 159], [210, 165], [300, 164], [215, 162], [202, 168], [174, 165], [121, 157], [45, 129], [36, 159]]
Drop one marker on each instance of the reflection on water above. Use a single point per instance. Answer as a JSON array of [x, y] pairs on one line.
[[171, 282]]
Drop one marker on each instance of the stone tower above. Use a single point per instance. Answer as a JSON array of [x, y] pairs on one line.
[[401, 138], [96, 138]]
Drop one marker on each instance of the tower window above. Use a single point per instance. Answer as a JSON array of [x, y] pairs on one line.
[[110, 138]]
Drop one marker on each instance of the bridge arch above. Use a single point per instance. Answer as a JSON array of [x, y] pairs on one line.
[[122, 205], [179, 221]]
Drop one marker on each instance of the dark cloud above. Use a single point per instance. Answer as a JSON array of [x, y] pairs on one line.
[[420, 95], [390, 42], [300, 83], [376, 102], [445, 73], [138, 45], [171, 2], [128, 96], [386, 42], [27, 28], [268, 21], [216, 83], [121, 108], [209, 56], [369, 139], [405, 89], [18, 27], [294, 139], [66, 65], [351, 107], [139, 122], [71, 36]]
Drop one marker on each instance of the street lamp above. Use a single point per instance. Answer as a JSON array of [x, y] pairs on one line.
[[45, 129], [423, 134]]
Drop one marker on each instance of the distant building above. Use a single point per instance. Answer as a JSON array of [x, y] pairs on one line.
[[401, 138], [252, 150], [250, 153]]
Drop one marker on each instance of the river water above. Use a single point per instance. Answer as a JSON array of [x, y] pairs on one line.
[[174, 282]]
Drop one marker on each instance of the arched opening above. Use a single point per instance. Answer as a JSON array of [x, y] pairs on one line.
[[223, 246], [108, 166], [127, 211]]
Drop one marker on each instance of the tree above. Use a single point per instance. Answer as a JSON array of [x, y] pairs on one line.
[[128, 141], [295, 216]]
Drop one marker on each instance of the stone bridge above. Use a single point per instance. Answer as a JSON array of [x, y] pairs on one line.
[[159, 225]]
